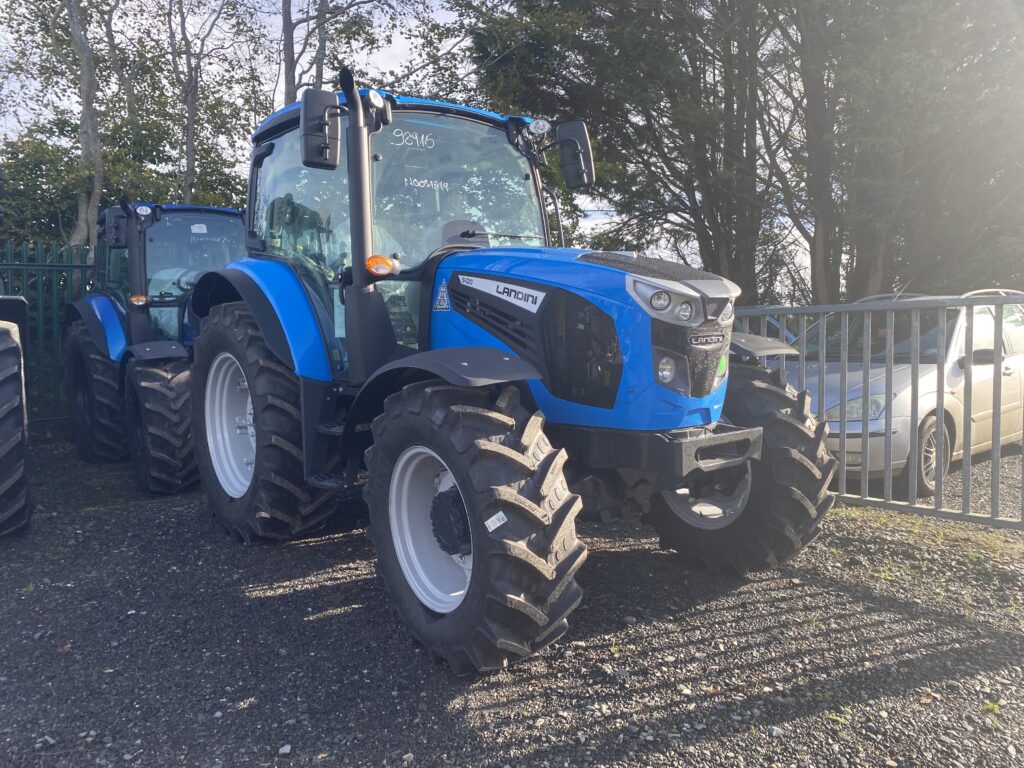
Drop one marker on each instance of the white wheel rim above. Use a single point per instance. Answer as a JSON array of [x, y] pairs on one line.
[[714, 511], [439, 580], [230, 426]]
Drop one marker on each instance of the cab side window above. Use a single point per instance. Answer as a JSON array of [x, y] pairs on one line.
[[114, 273], [301, 213]]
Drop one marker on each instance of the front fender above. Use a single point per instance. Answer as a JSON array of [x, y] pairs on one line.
[[280, 307], [751, 345], [459, 366]]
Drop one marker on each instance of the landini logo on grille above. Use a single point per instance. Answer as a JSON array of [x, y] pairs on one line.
[[526, 298], [706, 339]]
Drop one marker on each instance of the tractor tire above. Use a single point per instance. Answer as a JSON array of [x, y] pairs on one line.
[[788, 494], [158, 405], [257, 494], [15, 498], [94, 395], [517, 519]]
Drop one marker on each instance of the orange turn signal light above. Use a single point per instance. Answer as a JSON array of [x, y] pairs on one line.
[[138, 300], [382, 266]]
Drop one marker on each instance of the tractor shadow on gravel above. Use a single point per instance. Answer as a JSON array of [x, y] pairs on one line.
[[145, 622]]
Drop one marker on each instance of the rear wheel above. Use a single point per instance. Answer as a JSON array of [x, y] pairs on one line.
[[158, 406], [15, 501], [473, 523], [756, 516], [247, 432], [94, 394]]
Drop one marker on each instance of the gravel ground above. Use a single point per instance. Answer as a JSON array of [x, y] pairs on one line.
[[131, 633], [953, 486], [981, 484]]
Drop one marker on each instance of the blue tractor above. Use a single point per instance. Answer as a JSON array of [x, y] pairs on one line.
[[403, 326], [129, 339]]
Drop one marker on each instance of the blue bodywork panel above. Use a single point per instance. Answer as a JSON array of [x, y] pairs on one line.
[[110, 320], [641, 403], [282, 288]]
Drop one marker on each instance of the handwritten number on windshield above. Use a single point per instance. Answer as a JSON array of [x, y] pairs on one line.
[[412, 139]]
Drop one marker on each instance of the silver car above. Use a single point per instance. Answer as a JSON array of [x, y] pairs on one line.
[[951, 358]]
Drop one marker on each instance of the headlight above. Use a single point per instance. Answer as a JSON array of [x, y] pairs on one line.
[[666, 369], [855, 409], [660, 301], [684, 311], [727, 313]]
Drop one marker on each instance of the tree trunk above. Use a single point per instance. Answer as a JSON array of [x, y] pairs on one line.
[[90, 162], [288, 62], [321, 44], [812, 25]]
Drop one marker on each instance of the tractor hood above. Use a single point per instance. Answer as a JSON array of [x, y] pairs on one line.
[[587, 271], [596, 325]]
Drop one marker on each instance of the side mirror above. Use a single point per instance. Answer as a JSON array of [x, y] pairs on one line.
[[115, 228], [980, 357], [320, 129], [574, 154]]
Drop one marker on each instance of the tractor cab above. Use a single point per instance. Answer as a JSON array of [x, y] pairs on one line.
[[149, 257], [441, 179]]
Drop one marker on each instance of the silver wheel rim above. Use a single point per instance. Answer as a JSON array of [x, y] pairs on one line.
[[929, 453], [439, 580], [716, 510], [230, 426]]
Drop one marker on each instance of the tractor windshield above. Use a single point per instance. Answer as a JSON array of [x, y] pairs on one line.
[[443, 180], [183, 245]]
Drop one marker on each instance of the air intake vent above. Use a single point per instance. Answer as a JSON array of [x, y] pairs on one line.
[[498, 321]]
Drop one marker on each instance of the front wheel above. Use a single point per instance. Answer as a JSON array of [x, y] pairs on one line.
[[473, 523], [94, 394], [247, 432], [759, 515], [926, 463]]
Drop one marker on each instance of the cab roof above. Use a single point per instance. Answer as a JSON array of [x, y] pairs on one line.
[[179, 207], [288, 115]]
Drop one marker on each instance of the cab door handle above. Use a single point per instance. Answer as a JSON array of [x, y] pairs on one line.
[[1008, 370]]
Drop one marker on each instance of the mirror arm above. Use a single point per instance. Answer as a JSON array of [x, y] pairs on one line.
[[324, 125], [558, 215]]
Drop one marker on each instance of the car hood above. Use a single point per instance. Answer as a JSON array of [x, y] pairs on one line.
[[830, 374]]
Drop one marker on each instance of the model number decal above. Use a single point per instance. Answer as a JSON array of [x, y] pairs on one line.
[[412, 139], [526, 298]]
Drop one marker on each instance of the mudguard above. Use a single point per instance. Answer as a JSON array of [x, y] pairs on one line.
[[280, 307], [103, 322], [751, 345], [459, 366]]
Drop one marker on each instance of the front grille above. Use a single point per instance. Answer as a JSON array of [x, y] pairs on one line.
[[693, 353], [500, 323], [583, 360]]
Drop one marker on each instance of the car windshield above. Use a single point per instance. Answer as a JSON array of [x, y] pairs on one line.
[[184, 244], [902, 336], [443, 180]]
